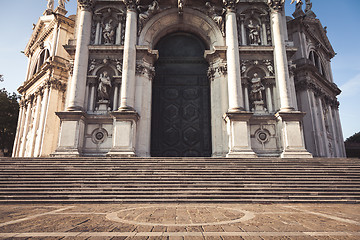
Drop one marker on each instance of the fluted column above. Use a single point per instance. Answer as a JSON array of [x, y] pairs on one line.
[[281, 63], [35, 125], [20, 125], [78, 81], [233, 59], [43, 113], [26, 126], [129, 60]]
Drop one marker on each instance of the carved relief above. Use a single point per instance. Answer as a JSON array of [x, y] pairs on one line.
[[146, 12], [146, 69], [85, 4], [216, 14]]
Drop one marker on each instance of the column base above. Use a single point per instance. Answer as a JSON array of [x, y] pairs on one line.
[[241, 154], [66, 153], [120, 154], [239, 134], [125, 123], [296, 154], [292, 138]]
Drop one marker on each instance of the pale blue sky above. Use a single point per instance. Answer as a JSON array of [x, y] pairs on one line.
[[341, 18]]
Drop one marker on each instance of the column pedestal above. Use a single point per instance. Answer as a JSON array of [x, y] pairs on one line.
[[71, 134], [239, 134], [123, 135], [293, 145]]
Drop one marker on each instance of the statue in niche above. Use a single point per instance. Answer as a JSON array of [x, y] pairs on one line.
[[146, 12], [216, 14], [62, 3], [257, 88], [104, 86], [254, 33], [108, 32]]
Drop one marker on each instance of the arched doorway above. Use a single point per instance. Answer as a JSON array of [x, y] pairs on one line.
[[180, 123]]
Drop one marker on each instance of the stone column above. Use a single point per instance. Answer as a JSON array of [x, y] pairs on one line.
[[269, 98], [26, 127], [78, 81], [334, 133], [340, 133], [43, 113], [35, 125], [97, 32], [20, 125], [55, 40], [237, 119], [289, 120], [233, 59], [129, 59], [263, 30], [243, 30], [281, 63]]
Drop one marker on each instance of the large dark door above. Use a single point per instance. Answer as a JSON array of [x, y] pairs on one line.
[[181, 99]]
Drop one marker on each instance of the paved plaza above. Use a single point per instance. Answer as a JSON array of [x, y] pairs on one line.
[[180, 221]]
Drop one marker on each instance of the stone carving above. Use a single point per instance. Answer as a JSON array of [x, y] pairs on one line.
[[62, 3], [104, 86], [181, 4], [269, 66], [50, 5], [85, 4], [144, 68], [308, 11], [217, 15], [119, 66], [92, 65], [276, 5], [256, 88], [108, 32], [230, 4], [131, 4], [145, 12], [254, 33]]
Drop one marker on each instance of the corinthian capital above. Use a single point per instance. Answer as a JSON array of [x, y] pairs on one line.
[[131, 4], [276, 5], [230, 4], [85, 4]]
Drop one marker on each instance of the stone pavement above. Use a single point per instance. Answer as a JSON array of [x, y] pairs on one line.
[[180, 221]]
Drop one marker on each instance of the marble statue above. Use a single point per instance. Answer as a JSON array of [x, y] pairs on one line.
[[256, 88], [254, 33], [148, 11], [50, 5], [108, 32], [62, 3], [104, 86], [216, 14]]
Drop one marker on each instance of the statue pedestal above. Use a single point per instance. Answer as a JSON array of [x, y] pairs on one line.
[[61, 11], [292, 137], [125, 123], [259, 107], [103, 107], [71, 134], [239, 134]]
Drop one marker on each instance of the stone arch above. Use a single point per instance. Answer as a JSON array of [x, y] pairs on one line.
[[191, 21]]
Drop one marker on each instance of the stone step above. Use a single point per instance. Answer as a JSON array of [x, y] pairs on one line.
[[95, 180]]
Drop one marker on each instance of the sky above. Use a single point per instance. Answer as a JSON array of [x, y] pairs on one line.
[[340, 16]]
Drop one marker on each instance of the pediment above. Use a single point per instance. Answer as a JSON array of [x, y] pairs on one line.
[[316, 31]]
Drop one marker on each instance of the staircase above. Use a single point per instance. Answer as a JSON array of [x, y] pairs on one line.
[[165, 180]]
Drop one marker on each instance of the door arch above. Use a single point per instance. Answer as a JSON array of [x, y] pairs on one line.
[[181, 124]]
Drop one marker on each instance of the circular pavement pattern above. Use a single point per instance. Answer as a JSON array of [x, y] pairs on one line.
[[181, 216]]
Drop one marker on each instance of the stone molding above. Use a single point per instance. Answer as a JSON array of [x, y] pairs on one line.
[[85, 5], [276, 5], [230, 5]]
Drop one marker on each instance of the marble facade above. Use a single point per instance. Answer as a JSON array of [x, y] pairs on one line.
[[89, 87]]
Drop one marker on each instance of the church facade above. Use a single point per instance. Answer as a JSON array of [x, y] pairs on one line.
[[177, 78]]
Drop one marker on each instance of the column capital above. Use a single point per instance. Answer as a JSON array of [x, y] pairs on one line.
[[276, 5], [85, 4], [230, 5], [131, 4]]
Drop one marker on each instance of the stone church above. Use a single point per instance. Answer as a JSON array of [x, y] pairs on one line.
[[179, 78]]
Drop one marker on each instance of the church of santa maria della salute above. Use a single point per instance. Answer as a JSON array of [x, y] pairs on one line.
[[179, 78]]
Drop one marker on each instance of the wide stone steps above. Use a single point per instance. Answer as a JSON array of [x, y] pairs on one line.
[[95, 180]]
